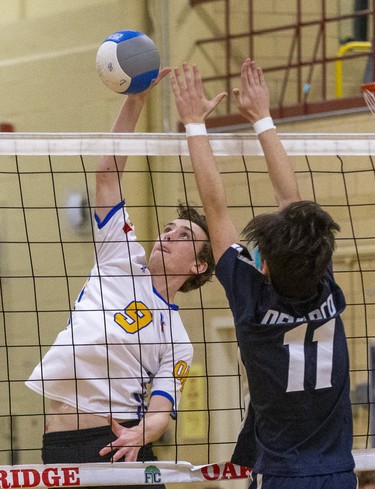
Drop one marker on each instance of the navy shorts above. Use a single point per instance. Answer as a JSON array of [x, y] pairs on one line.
[[339, 480], [83, 446]]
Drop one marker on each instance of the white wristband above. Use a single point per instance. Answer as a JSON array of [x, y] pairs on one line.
[[263, 125], [195, 129]]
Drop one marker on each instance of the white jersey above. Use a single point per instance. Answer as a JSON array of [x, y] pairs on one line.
[[121, 336]]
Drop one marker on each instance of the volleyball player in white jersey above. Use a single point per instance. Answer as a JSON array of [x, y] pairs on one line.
[[125, 335]]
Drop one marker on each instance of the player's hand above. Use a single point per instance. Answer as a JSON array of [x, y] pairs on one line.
[[128, 443], [253, 97], [191, 103], [163, 72]]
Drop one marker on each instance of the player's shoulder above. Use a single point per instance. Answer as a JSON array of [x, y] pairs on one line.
[[237, 260], [236, 252]]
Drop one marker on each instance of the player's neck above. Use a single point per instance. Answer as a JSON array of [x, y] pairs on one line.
[[167, 286]]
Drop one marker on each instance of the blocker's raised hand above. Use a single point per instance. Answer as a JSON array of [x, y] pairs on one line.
[[191, 103], [253, 96]]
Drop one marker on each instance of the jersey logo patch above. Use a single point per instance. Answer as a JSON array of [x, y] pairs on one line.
[[127, 228]]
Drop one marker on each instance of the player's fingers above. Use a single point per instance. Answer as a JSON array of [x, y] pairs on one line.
[[244, 74], [119, 453], [116, 427], [216, 100], [106, 450], [177, 76], [132, 455], [262, 81], [236, 92], [197, 79], [174, 85], [188, 78], [163, 73], [129, 453], [113, 446], [252, 73]]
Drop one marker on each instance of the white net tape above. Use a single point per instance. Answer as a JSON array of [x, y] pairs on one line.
[[155, 144]]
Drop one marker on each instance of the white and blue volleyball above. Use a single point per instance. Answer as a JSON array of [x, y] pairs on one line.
[[128, 62]]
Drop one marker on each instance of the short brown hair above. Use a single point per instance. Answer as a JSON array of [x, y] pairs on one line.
[[185, 211]]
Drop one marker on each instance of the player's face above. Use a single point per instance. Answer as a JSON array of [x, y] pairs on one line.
[[178, 246]]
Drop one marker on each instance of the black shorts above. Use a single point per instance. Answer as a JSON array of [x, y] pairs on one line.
[[83, 446], [339, 480]]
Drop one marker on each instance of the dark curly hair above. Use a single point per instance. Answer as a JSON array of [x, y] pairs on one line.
[[185, 211], [297, 243]]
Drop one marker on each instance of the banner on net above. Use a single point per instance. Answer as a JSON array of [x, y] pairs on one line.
[[119, 473]]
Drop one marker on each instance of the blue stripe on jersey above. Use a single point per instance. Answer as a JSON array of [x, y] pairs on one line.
[[111, 213], [174, 307], [169, 397]]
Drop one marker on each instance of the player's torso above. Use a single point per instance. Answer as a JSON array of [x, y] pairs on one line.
[[297, 364], [124, 318]]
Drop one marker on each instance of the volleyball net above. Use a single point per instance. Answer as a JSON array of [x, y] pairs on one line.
[[46, 248]]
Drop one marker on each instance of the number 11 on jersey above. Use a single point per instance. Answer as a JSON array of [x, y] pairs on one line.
[[295, 339]]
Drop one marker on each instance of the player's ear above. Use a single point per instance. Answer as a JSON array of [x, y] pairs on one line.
[[199, 267], [265, 270]]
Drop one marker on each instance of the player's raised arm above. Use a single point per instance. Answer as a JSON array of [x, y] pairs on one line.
[[253, 104], [193, 108], [110, 168]]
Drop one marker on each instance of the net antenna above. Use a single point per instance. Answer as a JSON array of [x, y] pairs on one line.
[[368, 92]]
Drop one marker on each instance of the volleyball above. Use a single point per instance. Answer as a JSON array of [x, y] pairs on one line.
[[128, 61]]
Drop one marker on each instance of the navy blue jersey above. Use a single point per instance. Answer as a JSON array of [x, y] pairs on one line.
[[244, 452], [296, 358]]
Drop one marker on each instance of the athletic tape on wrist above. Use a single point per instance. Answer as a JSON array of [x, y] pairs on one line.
[[195, 129], [263, 125]]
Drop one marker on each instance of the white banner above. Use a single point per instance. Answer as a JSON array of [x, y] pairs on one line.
[[129, 473], [119, 473]]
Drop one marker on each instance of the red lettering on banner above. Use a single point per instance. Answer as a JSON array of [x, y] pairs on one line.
[[71, 476], [31, 477], [52, 480], [3, 480], [16, 481], [50, 477], [216, 474], [229, 471], [245, 472]]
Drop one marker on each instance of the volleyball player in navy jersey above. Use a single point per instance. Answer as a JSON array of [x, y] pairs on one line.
[[287, 315]]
